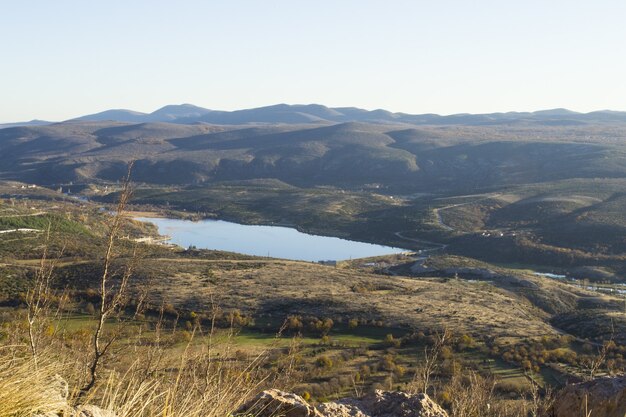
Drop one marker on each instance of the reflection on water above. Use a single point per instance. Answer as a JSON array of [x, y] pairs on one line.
[[274, 241], [605, 288]]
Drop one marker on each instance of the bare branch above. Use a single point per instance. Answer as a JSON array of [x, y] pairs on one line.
[[112, 299]]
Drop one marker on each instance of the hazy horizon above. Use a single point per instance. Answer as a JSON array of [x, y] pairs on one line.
[[66, 59], [148, 111]]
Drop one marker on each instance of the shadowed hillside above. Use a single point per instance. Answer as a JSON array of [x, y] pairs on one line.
[[348, 155], [509, 192]]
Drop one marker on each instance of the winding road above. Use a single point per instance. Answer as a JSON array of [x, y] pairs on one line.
[[437, 211]]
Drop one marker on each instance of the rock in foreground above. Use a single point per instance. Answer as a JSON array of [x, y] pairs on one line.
[[274, 402], [603, 397], [377, 404]]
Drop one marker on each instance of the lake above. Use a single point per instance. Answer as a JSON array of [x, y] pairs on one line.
[[273, 241]]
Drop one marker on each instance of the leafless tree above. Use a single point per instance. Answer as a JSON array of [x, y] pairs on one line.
[[112, 293], [473, 395], [426, 369], [40, 299], [541, 400], [595, 363]]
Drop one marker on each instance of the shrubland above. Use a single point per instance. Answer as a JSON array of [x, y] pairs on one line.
[[197, 332]]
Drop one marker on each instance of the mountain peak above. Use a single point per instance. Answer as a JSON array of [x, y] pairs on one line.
[[119, 115], [172, 112], [283, 113], [556, 112]]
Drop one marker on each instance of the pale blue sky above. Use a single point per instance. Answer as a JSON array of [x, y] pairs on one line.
[[60, 59]]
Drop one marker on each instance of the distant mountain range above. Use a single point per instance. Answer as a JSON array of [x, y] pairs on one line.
[[557, 172], [319, 114], [314, 145], [171, 113], [29, 123]]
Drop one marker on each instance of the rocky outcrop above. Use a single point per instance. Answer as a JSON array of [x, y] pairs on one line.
[[603, 397], [391, 404], [274, 402], [58, 392], [377, 404], [340, 410]]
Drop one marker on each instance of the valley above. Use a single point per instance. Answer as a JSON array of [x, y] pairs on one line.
[[492, 310], [312, 209], [511, 236]]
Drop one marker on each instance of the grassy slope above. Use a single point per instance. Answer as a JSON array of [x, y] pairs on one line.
[[502, 312]]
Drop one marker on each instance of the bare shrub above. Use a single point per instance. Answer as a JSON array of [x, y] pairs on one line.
[[425, 370]]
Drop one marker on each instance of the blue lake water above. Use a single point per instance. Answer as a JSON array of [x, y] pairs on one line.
[[274, 241]]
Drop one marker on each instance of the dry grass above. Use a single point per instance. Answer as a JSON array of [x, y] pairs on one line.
[[280, 287], [196, 388], [206, 379], [27, 388]]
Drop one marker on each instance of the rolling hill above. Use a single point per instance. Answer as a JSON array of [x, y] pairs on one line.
[[556, 184], [347, 155], [317, 113]]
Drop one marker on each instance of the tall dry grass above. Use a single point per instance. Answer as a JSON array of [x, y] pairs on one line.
[[207, 378], [206, 381], [28, 387]]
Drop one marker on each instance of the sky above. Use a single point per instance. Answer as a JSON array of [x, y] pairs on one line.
[[65, 58]]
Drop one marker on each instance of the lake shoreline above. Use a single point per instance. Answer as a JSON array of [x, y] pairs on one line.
[[182, 215], [279, 241]]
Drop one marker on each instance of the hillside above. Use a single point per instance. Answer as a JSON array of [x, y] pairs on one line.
[[374, 318], [346, 155], [551, 194]]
